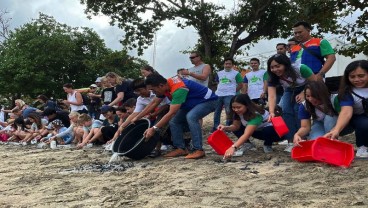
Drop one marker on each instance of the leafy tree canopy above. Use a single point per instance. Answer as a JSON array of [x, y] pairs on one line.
[[223, 31], [40, 56]]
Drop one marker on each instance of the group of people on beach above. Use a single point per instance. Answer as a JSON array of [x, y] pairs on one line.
[[292, 87]]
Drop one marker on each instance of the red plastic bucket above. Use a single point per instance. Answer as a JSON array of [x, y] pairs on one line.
[[333, 152], [219, 141], [280, 126], [325, 150], [303, 153]]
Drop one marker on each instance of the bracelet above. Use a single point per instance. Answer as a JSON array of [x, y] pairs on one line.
[[233, 146]]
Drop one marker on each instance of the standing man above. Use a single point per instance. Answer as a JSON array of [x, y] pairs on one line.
[[255, 82], [190, 102], [200, 72], [281, 48], [229, 82], [316, 53]]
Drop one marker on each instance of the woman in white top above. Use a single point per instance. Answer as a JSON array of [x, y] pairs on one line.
[[353, 97], [74, 99]]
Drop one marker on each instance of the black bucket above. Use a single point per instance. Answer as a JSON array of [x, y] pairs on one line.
[[131, 142]]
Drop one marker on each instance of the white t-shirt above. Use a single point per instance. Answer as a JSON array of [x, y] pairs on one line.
[[142, 102], [358, 107], [255, 81], [227, 82]]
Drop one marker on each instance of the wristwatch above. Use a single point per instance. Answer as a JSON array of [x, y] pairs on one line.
[[156, 128], [233, 146]]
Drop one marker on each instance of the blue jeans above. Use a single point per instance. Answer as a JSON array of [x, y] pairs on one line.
[[267, 134], [190, 118], [360, 125], [222, 101], [320, 128], [290, 110]]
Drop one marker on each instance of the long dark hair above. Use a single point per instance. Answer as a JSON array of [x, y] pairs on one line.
[[345, 85], [319, 91], [289, 70], [37, 119], [252, 108]]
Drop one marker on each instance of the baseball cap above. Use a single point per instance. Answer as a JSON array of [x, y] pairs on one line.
[[106, 108], [93, 85]]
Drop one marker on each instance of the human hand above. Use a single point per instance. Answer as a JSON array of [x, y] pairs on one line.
[[81, 145], [229, 153], [299, 98], [272, 115], [333, 134], [221, 127], [149, 133], [297, 139]]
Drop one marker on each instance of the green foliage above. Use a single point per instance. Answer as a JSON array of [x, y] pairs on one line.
[[119, 62], [225, 32], [40, 56], [356, 32]]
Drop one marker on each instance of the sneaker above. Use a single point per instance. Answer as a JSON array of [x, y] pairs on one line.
[[362, 152], [248, 146], [196, 155], [289, 147], [164, 147], [239, 153], [176, 153], [285, 142], [154, 153], [267, 149]]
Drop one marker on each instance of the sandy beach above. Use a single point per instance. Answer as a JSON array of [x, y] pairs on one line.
[[32, 177]]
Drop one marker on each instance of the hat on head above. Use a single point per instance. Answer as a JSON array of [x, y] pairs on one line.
[[98, 79], [93, 85], [57, 122], [106, 108]]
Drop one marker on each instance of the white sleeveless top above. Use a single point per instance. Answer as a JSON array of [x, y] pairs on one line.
[[72, 98], [198, 70]]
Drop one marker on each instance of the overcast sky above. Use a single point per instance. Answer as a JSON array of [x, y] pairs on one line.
[[170, 39]]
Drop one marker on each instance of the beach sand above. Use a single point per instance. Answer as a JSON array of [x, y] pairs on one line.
[[32, 177]]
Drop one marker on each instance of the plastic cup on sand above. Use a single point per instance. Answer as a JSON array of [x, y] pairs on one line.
[[53, 144]]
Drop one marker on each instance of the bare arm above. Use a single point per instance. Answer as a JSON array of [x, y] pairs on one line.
[[330, 60], [164, 120], [120, 97], [305, 127], [148, 109], [245, 88], [239, 86], [342, 121], [249, 130], [272, 100], [205, 73]]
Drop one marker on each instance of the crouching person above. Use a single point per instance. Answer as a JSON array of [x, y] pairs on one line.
[[190, 102], [249, 120]]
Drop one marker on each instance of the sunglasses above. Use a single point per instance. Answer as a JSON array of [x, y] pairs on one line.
[[92, 88], [193, 57]]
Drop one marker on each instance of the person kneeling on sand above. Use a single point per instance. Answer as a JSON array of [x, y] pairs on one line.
[[190, 102], [249, 120], [107, 130]]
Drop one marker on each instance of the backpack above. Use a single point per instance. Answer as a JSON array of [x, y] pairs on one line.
[[86, 99]]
